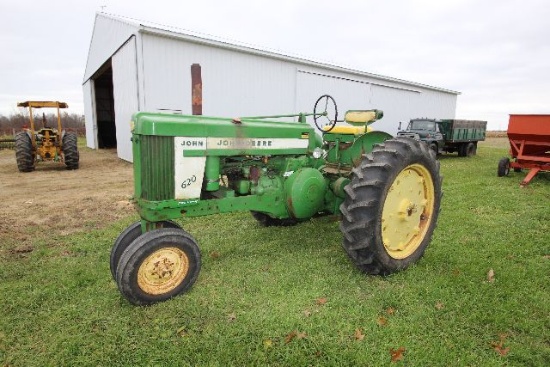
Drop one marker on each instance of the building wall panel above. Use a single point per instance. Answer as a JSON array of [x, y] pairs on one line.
[[89, 114], [125, 90], [234, 84], [109, 34]]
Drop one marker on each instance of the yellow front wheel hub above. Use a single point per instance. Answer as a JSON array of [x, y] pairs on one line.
[[163, 270], [408, 211]]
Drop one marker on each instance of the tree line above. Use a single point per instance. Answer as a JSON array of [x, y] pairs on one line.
[[9, 125]]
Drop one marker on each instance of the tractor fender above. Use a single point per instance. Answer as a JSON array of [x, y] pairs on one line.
[[365, 143]]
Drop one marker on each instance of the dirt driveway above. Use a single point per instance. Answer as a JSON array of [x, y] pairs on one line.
[[64, 202]]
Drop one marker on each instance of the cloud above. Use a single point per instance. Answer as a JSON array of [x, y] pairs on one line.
[[494, 52]]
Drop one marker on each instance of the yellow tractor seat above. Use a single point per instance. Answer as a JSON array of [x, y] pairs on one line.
[[349, 130]]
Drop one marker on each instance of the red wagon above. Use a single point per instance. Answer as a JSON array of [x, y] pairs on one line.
[[529, 137]]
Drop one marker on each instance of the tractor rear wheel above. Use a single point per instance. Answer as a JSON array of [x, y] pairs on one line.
[[266, 221], [70, 150], [128, 236], [23, 152], [391, 206], [158, 265]]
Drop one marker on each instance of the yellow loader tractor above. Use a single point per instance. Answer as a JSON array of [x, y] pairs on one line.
[[47, 143]]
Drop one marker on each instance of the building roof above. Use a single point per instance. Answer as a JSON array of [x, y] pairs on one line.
[[215, 41]]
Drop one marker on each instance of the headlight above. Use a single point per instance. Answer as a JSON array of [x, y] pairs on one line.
[[317, 153]]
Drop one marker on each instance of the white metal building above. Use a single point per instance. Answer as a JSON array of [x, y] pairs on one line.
[[133, 66]]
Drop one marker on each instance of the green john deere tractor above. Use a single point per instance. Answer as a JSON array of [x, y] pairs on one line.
[[387, 190]]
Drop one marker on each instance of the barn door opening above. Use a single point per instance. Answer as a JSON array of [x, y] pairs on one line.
[[105, 107]]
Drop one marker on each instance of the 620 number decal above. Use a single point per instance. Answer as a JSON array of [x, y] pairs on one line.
[[187, 182]]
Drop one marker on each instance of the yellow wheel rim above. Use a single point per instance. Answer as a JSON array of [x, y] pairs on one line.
[[163, 270], [408, 211]]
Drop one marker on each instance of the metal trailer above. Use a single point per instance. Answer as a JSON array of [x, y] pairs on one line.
[[529, 137]]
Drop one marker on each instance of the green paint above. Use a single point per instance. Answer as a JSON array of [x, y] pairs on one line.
[[252, 164]]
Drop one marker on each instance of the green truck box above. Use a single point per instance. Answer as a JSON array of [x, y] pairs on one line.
[[449, 135]]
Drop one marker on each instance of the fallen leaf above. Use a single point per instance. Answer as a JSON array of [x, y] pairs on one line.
[[181, 332], [268, 343], [499, 346], [439, 306], [390, 311], [491, 276], [307, 313], [301, 335], [397, 354], [214, 255], [359, 334], [231, 317], [321, 301], [290, 336], [381, 321], [547, 257]]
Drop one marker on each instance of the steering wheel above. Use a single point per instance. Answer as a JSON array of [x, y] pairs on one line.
[[323, 120]]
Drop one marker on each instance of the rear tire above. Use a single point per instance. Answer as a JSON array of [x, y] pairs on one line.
[[23, 152], [470, 149], [391, 206], [158, 265], [503, 167], [70, 150], [462, 150], [128, 236]]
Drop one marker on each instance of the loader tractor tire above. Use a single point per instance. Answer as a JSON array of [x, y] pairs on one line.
[[158, 265], [391, 206], [128, 236], [23, 152], [70, 150], [266, 221]]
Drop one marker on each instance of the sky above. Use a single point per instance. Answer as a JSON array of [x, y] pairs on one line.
[[496, 53]]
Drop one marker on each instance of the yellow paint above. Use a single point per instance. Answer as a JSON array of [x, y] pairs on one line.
[[351, 130], [408, 211], [163, 270], [357, 117]]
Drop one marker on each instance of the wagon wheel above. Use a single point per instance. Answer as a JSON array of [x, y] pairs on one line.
[[391, 206], [128, 236], [157, 266], [325, 113], [503, 167]]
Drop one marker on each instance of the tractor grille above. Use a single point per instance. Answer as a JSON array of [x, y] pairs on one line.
[[157, 167]]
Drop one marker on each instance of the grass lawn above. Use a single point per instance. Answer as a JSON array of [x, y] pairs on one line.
[[290, 297]]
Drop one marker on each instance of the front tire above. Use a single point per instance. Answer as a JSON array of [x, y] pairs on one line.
[[128, 236], [158, 265], [23, 152], [391, 206]]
